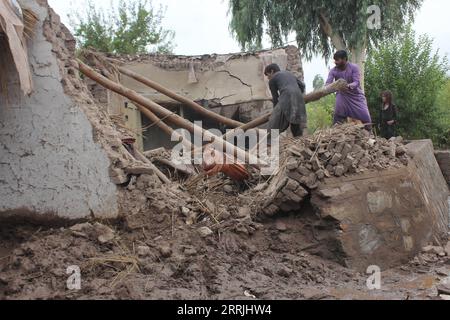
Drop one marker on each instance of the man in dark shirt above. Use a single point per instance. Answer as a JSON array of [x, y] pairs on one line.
[[289, 103]]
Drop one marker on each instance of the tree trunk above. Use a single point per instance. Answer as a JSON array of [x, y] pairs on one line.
[[358, 54], [359, 58]]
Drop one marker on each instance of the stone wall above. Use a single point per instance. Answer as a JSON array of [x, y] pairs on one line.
[[379, 212], [443, 159], [386, 218]]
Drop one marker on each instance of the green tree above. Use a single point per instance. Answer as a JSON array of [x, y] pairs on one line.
[[321, 25], [416, 74], [443, 105], [132, 27], [318, 82], [320, 113]]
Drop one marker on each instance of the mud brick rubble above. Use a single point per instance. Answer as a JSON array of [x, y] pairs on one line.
[[341, 150]]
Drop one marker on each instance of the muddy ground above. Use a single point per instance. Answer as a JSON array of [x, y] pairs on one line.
[[167, 259]]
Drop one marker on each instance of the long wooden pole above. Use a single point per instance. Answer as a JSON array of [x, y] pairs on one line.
[[219, 143], [158, 172], [185, 101], [311, 97]]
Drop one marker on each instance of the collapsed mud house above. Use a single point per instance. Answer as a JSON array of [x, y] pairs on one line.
[[340, 195], [232, 85]]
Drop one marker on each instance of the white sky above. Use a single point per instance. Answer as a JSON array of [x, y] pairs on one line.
[[201, 27]]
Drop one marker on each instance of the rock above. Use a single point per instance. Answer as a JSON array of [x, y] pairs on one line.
[[315, 164], [260, 187], [104, 233], [371, 142], [140, 170], [339, 170], [304, 171], [243, 213], [228, 189], [205, 232], [285, 272], [348, 162], [400, 150], [291, 185], [185, 211], [443, 272], [292, 165], [192, 218], [118, 176], [346, 150], [439, 251], [224, 215], [447, 249], [165, 251], [364, 162], [443, 289], [306, 153], [445, 297], [82, 227], [281, 226], [320, 174], [190, 251], [336, 158], [330, 193], [143, 251]]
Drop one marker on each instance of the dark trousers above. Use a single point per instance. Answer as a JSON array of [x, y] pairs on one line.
[[388, 131], [297, 130]]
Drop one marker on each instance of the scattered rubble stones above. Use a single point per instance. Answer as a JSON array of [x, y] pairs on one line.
[[205, 232], [165, 251], [97, 231], [336, 152], [143, 251], [281, 226]]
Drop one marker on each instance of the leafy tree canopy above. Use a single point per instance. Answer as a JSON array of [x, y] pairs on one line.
[[321, 25], [131, 27], [417, 75]]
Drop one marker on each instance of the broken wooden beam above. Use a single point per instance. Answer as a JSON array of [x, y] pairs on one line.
[[158, 110], [158, 172], [311, 97], [185, 101]]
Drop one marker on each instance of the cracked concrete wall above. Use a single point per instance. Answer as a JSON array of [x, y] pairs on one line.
[[50, 164]]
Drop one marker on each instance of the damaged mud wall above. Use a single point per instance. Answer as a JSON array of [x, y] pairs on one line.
[[377, 202], [443, 159], [223, 79], [51, 158], [386, 218], [231, 85]]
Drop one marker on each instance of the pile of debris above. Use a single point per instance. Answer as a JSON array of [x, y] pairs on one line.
[[341, 150]]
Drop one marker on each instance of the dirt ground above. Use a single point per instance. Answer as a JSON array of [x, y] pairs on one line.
[[275, 258], [200, 238]]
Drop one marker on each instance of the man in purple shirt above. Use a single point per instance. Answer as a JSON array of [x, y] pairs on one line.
[[352, 102]]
